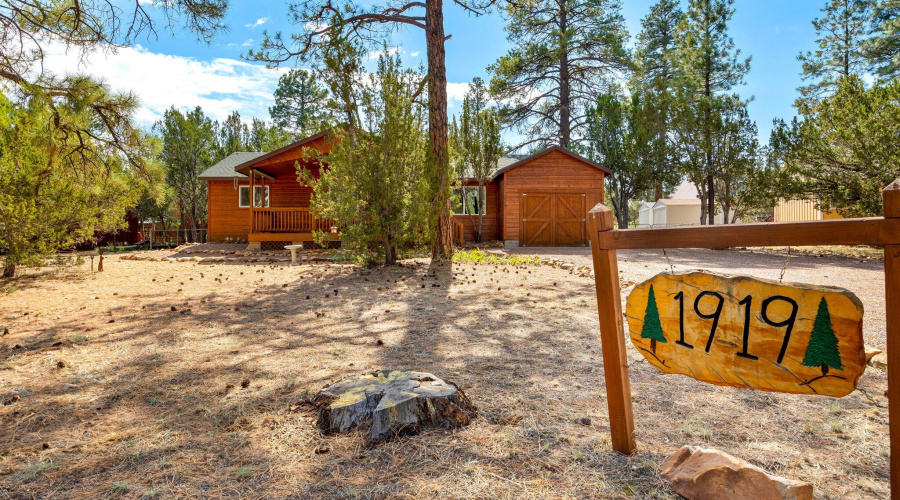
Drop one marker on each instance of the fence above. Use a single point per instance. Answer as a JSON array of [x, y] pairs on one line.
[[175, 237]]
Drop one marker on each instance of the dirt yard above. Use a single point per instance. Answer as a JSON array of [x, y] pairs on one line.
[[128, 383]]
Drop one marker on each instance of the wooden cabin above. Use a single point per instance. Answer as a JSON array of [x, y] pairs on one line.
[[541, 200]]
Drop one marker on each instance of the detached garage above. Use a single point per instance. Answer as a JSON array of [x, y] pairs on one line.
[[544, 198]]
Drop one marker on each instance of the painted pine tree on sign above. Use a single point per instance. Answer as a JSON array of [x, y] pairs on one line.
[[652, 328], [822, 349]]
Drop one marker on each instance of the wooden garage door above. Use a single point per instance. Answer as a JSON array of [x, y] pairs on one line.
[[553, 219]]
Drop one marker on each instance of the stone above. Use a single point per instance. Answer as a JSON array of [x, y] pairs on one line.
[[878, 360], [699, 474], [871, 352]]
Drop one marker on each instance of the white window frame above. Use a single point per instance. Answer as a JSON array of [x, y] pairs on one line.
[[257, 191], [458, 191]]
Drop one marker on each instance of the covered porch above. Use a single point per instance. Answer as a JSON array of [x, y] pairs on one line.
[[287, 224], [279, 210]]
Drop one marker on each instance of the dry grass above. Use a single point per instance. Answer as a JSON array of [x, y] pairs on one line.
[[143, 408]]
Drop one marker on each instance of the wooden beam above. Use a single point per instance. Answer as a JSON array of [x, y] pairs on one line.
[[891, 199], [874, 231], [263, 174], [612, 334]]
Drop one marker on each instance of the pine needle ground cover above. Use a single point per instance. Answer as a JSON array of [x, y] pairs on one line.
[[164, 379]]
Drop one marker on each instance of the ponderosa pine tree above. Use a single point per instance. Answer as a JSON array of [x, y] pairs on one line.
[[654, 82], [883, 48], [709, 68], [374, 186], [846, 152], [619, 137], [231, 136], [736, 154], [300, 104], [822, 350], [652, 328], [476, 147], [842, 33], [28, 29], [324, 22], [656, 45], [55, 189], [563, 51], [266, 137]]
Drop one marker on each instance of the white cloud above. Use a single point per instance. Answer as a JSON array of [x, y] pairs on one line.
[[375, 54], [457, 91], [259, 22], [414, 54], [248, 42], [219, 86]]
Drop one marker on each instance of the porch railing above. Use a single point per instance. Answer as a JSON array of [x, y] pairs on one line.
[[287, 220]]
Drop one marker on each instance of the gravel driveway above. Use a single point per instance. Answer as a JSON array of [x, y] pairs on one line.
[[865, 279]]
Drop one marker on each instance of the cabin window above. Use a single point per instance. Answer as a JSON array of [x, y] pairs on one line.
[[475, 203], [260, 196]]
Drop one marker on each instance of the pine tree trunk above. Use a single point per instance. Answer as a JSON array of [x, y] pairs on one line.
[[390, 257], [702, 212], [726, 211], [478, 234], [710, 187], [9, 269], [392, 403], [437, 124], [565, 112]]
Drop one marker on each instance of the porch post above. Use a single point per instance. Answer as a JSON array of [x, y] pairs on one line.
[[252, 200]]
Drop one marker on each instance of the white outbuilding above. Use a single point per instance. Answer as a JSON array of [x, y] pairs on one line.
[[645, 214], [674, 212]]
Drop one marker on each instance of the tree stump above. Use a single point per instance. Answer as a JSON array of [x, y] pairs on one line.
[[394, 402]]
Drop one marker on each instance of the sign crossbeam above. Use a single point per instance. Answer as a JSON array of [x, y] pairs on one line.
[[605, 240], [875, 231]]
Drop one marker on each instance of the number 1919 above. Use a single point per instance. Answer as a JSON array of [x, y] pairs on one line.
[[747, 302]]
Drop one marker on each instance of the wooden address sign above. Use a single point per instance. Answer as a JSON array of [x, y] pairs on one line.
[[745, 332]]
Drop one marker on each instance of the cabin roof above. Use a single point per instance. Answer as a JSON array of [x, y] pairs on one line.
[[518, 163], [244, 167], [224, 169]]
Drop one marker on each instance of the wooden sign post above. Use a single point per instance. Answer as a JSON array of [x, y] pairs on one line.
[[759, 335]]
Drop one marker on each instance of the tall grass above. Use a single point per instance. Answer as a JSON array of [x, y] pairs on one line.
[[479, 256]]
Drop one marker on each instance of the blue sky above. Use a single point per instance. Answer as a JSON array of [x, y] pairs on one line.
[[177, 70]]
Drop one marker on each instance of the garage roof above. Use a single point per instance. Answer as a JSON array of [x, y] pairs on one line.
[[519, 163]]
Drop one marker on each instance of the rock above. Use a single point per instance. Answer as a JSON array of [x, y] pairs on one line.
[[697, 474], [394, 402], [878, 360], [871, 352]]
